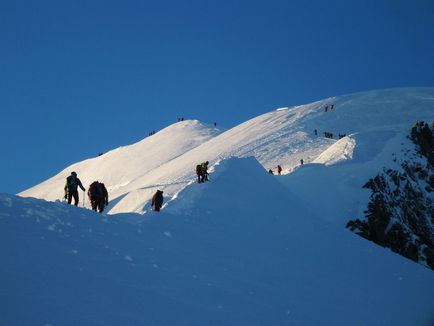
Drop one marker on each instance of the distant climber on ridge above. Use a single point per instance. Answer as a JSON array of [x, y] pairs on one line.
[[72, 182], [279, 169], [199, 173], [205, 171], [157, 201], [98, 196]]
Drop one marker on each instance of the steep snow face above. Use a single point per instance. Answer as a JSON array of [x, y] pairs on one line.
[[340, 151], [285, 136], [337, 189], [241, 250]]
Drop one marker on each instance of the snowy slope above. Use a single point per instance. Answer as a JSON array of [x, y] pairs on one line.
[[120, 167], [337, 188], [373, 120], [239, 250]]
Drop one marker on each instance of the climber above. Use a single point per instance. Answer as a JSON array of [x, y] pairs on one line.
[[98, 196], [72, 182], [157, 201]]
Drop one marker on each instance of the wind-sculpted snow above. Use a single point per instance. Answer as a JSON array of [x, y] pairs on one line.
[[340, 151], [337, 189], [167, 160], [239, 250]]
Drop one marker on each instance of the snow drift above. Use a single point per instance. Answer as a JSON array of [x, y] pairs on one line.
[[240, 250]]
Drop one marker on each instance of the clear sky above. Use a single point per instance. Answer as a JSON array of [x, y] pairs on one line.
[[82, 77]]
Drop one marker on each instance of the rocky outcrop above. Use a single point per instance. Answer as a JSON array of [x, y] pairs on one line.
[[400, 213]]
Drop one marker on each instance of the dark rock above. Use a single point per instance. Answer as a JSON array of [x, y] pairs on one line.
[[400, 213]]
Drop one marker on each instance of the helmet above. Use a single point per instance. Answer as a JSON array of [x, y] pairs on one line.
[[74, 174]]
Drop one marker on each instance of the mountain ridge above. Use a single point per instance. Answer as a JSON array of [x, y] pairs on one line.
[[281, 137]]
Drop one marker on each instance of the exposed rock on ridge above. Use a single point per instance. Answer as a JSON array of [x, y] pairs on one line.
[[400, 213]]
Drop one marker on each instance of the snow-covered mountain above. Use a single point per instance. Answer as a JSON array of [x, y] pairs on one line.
[[246, 248], [373, 121]]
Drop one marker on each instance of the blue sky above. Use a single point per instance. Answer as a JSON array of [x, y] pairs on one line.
[[82, 77]]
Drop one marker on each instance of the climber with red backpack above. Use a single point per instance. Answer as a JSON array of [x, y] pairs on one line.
[[157, 201], [98, 196]]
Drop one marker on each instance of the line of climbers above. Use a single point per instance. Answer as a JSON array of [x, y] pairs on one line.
[[182, 119], [202, 172], [279, 168], [329, 108], [329, 134], [97, 192]]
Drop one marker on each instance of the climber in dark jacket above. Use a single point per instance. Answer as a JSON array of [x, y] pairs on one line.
[[157, 201], [98, 196], [199, 173], [72, 182]]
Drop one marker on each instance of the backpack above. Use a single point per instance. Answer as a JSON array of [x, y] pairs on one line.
[[96, 189], [71, 183]]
